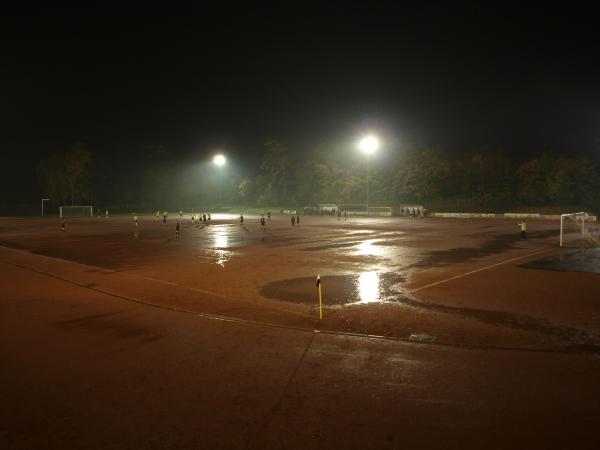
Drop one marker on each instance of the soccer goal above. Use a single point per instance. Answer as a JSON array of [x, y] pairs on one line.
[[380, 211], [579, 230], [362, 209], [76, 211], [327, 209], [354, 209]]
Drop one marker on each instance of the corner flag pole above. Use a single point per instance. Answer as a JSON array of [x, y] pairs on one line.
[[320, 297]]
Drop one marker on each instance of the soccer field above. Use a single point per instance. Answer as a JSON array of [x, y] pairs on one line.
[[121, 337], [460, 282]]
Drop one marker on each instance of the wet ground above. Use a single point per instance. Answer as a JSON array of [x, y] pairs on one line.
[[433, 335], [362, 288], [572, 260], [460, 280], [93, 358]]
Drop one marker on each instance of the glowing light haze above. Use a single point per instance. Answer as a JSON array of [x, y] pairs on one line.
[[368, 144], [219, 160]]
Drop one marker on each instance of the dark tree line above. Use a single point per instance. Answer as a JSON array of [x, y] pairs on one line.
[[155, 178]]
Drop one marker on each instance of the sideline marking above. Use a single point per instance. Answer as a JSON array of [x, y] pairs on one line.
[[124, 272], [479, 270]]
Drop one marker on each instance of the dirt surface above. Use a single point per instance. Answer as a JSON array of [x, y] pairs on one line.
[[116, 336], [459, 280]]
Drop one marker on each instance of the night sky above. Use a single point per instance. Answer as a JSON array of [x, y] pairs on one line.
[[520, 81]]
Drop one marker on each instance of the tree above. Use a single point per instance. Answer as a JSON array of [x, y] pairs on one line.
[[277, 171], [66, 178], [245, 190], [77, 170], [52, 178]]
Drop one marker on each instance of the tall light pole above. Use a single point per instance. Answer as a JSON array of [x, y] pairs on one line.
[[219, 160], [368, 145]]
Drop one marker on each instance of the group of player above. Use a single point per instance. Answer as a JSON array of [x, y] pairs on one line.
[[413, 213], [263, 223], [201, 218]]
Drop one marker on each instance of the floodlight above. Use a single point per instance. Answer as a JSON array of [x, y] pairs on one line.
[[368, 144], [219, 160]]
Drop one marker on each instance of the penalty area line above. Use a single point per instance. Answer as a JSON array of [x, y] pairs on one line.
[[491, 266]]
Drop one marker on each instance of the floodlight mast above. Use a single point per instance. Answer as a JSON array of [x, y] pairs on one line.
[[219, 160], [368, 145]]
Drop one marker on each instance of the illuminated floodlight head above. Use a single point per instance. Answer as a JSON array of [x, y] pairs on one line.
[[368, 144], [219, 160]]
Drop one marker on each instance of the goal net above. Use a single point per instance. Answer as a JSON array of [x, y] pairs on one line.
[[76, 211], [354, 209], [362, 209], [579, 230], [327, 208], [380, 210]]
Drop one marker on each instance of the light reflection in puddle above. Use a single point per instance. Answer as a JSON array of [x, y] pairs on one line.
[[221, 242], [367, 285], [221, 239], [359, 288], [222, 257], [367, 248]]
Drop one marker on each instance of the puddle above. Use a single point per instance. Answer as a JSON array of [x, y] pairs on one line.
[[222, 257], [330, 246], [576, 260], [368, 248], [500, 244], [364, 287]]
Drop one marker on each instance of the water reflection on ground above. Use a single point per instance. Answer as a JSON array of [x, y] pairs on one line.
[[358, 288], [367, 286], [368, 248], [215, 242]]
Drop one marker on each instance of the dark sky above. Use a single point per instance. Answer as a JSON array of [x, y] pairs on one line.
[[520, 80]]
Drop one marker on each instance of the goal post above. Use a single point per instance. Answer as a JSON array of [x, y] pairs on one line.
[[380, 211], [327, 208], [76, 211], [362, 209], [354, 209], [578, 229]]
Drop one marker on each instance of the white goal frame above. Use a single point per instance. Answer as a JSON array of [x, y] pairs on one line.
[[355, 209], [83, 209], [582, 217], [380, 211]]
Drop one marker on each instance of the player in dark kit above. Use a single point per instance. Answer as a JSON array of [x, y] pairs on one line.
[[262, 222], [241, 219], [297, 220], [177, 229], [293, 219]]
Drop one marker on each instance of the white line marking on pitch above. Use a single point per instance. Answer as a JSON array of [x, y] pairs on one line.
[[479, 270]]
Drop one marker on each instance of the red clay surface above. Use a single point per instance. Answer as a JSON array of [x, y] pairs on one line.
[[111, 340]]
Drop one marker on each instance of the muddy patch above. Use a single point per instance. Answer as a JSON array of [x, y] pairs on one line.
[[500, 244], [364, 287], [574, 338], [576, 260]]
